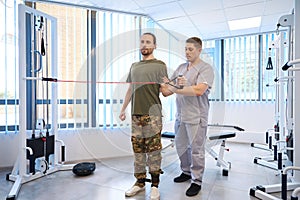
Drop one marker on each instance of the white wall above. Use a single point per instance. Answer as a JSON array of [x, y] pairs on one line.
[[89, 144], [83, 144], [254, 117]]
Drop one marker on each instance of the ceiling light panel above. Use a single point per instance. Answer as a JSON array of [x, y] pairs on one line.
[[246, 23]]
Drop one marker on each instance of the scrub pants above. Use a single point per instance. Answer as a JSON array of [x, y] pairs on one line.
[[190, 145]]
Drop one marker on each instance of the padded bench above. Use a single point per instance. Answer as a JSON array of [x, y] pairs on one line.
[[215, 136], [222, 135], [168, 134]]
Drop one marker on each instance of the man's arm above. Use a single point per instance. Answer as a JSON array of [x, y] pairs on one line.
[[165, 90], [194, 90], [127, 99]]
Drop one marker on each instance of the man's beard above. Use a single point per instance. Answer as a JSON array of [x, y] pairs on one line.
[[147, 51]]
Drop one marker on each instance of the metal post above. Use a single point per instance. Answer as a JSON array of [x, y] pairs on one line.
[[297, 93]]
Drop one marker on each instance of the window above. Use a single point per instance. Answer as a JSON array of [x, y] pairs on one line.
[[97, 47], [241, 68], [72, 47], [116, 48], [8, 64], [211, 54]]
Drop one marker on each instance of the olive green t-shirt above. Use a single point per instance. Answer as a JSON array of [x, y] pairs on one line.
[[145, 96]]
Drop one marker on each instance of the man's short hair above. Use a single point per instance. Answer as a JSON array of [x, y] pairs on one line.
[[153, 36], [195, 40]]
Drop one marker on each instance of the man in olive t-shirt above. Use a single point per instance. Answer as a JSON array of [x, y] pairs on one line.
[[146, 113]]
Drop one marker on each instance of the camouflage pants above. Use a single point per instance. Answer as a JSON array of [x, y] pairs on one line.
[[146, 144]]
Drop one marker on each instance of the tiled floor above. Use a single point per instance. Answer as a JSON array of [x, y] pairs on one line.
[[114, 176]]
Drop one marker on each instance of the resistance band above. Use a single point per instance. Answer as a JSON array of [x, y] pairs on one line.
[[107, 82]]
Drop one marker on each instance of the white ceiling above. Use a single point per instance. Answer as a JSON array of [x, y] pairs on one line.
[[205, 18]]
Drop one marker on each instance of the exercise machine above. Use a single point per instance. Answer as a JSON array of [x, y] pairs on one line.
[[289, 181], [275, 137], [37, 153]]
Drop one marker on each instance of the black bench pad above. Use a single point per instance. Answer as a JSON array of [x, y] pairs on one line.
[[221, 135], [214, 136], [168, 134]]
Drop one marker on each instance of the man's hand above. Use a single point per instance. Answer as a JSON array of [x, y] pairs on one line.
[[181, 81], [122, 116]]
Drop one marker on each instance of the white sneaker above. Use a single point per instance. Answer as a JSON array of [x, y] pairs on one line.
[[133, 191], [154, 193]]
